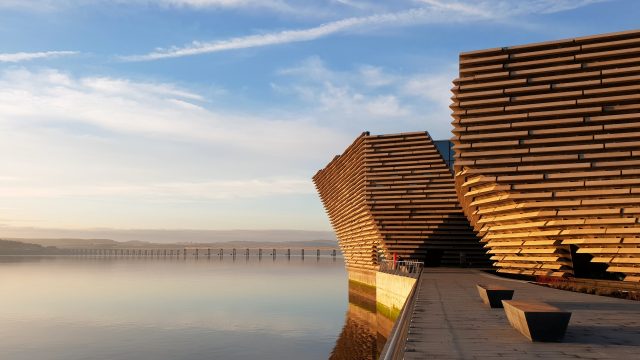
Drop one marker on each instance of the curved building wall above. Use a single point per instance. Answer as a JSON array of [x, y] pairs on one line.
[[547, 143], [395, 194]]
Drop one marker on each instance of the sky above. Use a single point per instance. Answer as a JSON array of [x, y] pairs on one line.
[[215, 114]]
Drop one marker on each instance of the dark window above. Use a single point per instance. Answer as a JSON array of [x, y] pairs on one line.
[[445, 147]]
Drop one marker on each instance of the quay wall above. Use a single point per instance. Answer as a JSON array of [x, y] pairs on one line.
[[392, 290], [362, 276]]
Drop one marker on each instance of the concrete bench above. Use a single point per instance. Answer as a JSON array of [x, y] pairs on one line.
[[493, 295], [538, 321]]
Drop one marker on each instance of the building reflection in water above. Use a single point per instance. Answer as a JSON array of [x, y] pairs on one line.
[[365, 328]]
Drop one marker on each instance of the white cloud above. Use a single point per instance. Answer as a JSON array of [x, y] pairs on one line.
[[150, 110], [351, 103], [104, 151], [278, 6], [215, 3], [372, 97], [307, 8], [434, 87], [375, 76], [505, 8], [435, 12], [326, 9], [466, 8], [86, 146], [360, 5], [27, 56], [402, 18], [57, 4]]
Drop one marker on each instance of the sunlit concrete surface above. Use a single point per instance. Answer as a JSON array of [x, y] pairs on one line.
[[449, 321]]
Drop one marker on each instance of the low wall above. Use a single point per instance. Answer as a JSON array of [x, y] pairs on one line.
[[367, 277], [392, 290], [375, 302]]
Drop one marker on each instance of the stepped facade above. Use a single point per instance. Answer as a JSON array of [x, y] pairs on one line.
[[547, 147], [395, 194]]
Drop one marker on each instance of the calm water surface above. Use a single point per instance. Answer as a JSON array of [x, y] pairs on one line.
[[117, 308]]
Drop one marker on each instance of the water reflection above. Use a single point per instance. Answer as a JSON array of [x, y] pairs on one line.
[[156, 308], [365, 329], [68, 308]]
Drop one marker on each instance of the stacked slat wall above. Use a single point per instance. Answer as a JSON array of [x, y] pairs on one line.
[[408, 194], [341, 189], [547, 141], [411, 195]]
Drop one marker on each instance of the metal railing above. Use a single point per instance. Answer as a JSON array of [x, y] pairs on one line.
[[395, 345], [408, 268]]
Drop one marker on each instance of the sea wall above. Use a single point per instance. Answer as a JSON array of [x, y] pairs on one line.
[[376, 300], [363, 276], [392, 292]]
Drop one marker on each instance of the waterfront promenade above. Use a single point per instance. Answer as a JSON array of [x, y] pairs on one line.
[[449, 321]]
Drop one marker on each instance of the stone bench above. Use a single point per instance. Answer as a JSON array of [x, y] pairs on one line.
[[538, 321], [493, 295]]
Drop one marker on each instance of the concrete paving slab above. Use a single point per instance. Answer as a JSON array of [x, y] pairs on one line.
[[449, 321]]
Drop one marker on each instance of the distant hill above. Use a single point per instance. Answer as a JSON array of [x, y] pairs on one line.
[[104, 236], [70, 243], [8, 247], [108, 243]]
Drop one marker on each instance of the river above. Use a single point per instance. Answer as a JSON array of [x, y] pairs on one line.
[[190, 308]]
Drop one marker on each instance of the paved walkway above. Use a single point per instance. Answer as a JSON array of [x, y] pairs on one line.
[[449, 321]]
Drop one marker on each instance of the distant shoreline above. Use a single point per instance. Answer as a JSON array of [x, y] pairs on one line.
[[20, 246], [163, 236]]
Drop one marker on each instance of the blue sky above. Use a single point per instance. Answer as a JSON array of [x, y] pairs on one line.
[[214, 114]]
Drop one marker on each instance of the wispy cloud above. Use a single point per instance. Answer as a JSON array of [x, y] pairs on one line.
[[286, 36], [105, 151], [372, 97], [344, 96], [434, 12], [52, 4], [217, 3], [287, 7], [148, 109], [27, 56], [330, 7], [280, 6]]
